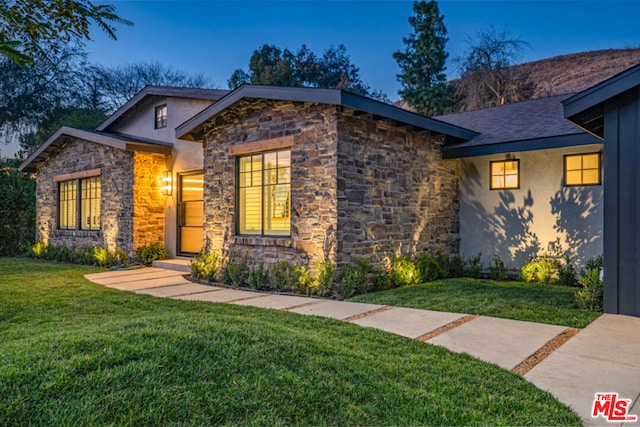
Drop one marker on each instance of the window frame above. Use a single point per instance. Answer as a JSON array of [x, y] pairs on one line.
[[160, 122], [237, 207], [582, 184], [491, 187], [78, 209]]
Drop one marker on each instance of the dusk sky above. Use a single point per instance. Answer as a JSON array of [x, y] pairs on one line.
[[216, 37]]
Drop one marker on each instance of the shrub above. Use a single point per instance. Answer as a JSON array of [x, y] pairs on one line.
[[284, 277], [326, 272], [475, 266], [205, 266], [148, 253], [305, 282], [354, 280], [380, 280], [596, 263], [456, 266], [443, 265], [40, 250], [590, 296], [17, 212], [403, 272], [496, 270], [236, 270], [566, 273], [259, 277], [84, 255], [427, 268], [541, 269]]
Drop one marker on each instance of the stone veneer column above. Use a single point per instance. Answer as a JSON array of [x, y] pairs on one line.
[[148, 202]]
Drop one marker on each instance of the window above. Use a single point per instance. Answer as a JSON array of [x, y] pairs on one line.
[[264, 187], [505, 174], [79, 204], [161, 116], [582, 169]]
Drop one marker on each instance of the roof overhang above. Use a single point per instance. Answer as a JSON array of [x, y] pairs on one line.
[[462, 150], [119, 141], [586, 108], [192, 129], [149, 92]]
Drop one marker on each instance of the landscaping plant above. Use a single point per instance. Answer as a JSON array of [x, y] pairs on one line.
[[542, 269], [204, 266], [427, 268], [475, 266], [236, 270], [496, 270], [259, 277], [326, 272], [566, 273], [404, 272], [591, 294], [152, 252]]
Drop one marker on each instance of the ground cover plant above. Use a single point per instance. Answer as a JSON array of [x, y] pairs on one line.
[[76, 353], [511, 300]]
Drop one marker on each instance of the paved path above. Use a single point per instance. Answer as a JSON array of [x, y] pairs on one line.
[[604, 357]]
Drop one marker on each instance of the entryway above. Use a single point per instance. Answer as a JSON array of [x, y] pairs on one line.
[[190, 212]]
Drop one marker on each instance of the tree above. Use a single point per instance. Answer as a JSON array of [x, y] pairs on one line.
[[486, 78], [32, 30], [273, 66], [422, 63], [17, 211]]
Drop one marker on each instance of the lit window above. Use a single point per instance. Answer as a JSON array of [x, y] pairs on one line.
[[582, 169], [83, 194], [264, 187], [505, 174], [161, 116]]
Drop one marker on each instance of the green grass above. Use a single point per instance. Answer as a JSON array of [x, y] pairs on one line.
[[76, 353], [511, 300]]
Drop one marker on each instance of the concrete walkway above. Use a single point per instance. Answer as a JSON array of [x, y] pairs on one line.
[[604, 357]]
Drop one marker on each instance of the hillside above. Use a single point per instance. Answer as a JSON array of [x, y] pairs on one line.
[[573, 72]]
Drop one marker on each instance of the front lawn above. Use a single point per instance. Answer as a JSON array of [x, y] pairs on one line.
[[76, 353], [512, 300]]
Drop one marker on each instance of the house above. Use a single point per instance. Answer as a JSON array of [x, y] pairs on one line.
[[304, 175]]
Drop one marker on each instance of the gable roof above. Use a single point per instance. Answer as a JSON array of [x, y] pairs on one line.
[[586, 108], [149, 92], [120, 141], [192, 128], [523, 126]]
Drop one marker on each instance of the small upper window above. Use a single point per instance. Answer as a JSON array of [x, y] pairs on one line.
[[161, 116], [582, 169], [505, 174]]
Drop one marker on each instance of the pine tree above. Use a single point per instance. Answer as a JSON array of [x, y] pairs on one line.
[[422, 63]]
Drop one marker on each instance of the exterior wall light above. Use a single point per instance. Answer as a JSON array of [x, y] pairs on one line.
[[167, 183]]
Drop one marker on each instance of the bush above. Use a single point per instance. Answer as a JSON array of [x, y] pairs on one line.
[[475, 266], [259, 277], [590, 296], [354, 279], [496, 270], [284, 277], [427, 268], [205, 266], [566, 273], [40, 250], [103, 257], [542, 269], [17, 212], [148, 253], [325, 277], [235, 271], [403, 272], [443, 265], [456, 266]]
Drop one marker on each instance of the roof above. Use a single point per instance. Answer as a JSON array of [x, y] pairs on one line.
[[523, 126], [192, 129], [120, 141], [161, 92], [586, 108]]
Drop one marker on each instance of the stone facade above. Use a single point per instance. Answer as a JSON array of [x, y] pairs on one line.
[[125, 224], [360, 188], [313, 179], [148, 202]]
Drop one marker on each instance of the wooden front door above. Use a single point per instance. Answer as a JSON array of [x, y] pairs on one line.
[[190, 213]]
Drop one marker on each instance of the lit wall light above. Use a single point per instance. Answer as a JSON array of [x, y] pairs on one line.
[[167, 183]]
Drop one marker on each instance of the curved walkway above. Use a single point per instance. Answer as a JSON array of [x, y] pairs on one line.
[[604, 357]]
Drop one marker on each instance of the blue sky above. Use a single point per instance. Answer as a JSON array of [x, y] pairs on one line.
[[216, 37]]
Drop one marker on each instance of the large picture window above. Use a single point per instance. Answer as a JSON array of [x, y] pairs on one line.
[[505, 175], [582, 169], [79, 204], [264, 194]]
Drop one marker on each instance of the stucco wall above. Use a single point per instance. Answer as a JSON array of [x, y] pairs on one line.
[[313, 179], [540, 216], [116, 195], [396, 196]]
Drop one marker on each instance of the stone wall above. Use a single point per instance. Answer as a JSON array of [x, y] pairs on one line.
[[148, 202], [116, 179], [313, 182], [396, 196]]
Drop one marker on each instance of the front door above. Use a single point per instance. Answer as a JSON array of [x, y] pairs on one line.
[[190, 213]]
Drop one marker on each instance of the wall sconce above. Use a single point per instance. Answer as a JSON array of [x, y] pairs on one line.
[[167, 183]]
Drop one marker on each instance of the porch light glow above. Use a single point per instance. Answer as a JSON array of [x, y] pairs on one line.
[[167, 183]]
